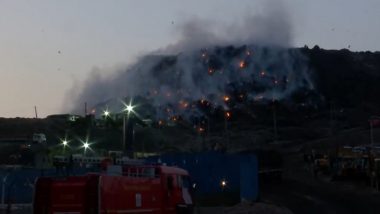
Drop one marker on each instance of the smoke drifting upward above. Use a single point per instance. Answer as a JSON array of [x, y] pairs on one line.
[[271, 27], [208, 63]]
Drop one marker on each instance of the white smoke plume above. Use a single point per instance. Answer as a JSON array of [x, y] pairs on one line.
[[209, 62]]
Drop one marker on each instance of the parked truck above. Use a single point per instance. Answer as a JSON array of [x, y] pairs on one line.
[[124, 189]]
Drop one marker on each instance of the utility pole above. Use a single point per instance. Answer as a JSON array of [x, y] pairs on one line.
[[35, 111]]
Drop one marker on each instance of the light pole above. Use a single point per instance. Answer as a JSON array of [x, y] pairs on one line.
[[127, 125], [86, 146], [65, 143]]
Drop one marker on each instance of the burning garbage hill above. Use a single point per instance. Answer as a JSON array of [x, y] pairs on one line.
[[221, 77], [238, 77]]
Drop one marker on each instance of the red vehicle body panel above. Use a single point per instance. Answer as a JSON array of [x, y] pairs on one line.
[[142, 189]]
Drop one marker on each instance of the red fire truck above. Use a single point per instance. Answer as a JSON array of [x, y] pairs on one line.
[[136, 189]]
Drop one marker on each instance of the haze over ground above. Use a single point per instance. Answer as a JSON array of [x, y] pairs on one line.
[[46, 47]]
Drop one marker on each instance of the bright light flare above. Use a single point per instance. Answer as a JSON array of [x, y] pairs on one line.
[[106, 113], [129, 108], [65, 142], [228, 114], [86, 145], [223, 183]]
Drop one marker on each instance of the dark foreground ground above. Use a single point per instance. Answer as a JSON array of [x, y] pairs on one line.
[[300, 192], [315, 197], [303, 196]]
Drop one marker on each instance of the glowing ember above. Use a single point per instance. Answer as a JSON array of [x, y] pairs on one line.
[[262, 73], [226, 98], [210, 71], [228, 114], [160, 123], [242, 64], [200, 129], [276, 82], [183, 104]]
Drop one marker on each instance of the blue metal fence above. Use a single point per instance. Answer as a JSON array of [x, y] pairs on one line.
[[210, 170]]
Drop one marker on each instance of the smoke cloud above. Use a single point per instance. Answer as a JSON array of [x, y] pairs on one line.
[[270, 27], [209, 62]]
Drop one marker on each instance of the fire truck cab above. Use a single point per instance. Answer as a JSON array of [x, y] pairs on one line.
[[137, 189]]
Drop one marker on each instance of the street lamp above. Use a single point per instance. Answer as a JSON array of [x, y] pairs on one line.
[[64, 143], [129, 108], [106, 113], [128, 124], [86, 146]]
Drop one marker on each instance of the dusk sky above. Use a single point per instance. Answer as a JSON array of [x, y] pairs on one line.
[[47, 47]]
